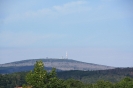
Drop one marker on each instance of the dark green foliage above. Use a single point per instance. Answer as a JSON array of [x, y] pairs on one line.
[[103, 84], [115, 78], [71, 83], [125, 83], [112, 75], [40, 78], [37, 77], [12, 80]]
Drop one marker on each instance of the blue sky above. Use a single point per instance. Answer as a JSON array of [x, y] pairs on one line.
[[99, 32]]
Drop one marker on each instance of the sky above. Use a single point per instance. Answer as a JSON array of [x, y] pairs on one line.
[[92, 31]]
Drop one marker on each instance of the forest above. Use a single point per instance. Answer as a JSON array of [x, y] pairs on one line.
[[40, 78]]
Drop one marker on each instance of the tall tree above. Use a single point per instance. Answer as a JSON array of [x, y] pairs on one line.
[[40, 78], [37, 77]]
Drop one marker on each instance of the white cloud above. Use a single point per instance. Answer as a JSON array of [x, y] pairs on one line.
[[87, 11], [68, 8], [72, 7]]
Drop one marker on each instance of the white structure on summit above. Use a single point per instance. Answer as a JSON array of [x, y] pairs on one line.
[[66, 55]]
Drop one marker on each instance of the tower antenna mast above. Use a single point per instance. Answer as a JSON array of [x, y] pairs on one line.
[[66, 55]]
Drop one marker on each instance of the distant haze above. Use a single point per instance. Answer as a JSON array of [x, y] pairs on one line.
[[99, 32]]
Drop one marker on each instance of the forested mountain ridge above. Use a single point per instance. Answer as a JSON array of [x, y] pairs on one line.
[[100, 77], [60, 64], [112, 75]]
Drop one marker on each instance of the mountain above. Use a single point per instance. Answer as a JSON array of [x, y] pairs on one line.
[[112, 75], [60, 64], [115, 76]]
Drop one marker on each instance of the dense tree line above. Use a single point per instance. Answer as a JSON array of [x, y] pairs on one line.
[[12, 80], [112, 75], [40, 78]]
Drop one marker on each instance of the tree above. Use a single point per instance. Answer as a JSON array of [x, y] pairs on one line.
[[71, 83], [40, 78], [103, 84], [125, 83], [36, 77]]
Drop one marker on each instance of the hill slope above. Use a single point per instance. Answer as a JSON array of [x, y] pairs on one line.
[[112, 75], [87, 77], [61, 64]]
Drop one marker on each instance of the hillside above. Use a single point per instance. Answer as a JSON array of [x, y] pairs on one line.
[[111, 76], [60, 64]]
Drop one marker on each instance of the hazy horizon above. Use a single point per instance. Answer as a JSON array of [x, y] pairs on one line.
[[99, 32]]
